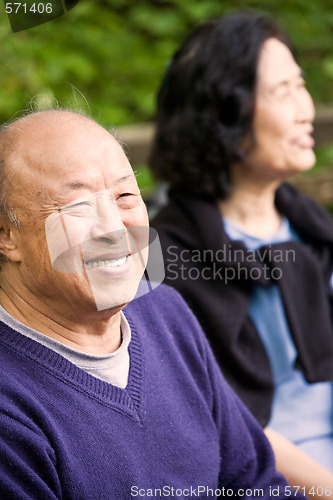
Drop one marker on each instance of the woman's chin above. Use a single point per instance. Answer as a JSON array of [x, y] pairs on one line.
[[305, 163]]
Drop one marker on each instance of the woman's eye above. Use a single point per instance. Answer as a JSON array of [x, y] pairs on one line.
[[283, 93]]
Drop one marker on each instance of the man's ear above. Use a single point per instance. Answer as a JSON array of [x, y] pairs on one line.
[[8, 246]]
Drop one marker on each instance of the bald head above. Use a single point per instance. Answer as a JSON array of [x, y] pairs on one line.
[[30, 134], [28, 142], [29, 129]]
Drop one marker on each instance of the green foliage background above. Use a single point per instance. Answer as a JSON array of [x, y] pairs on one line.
[[114, 52]]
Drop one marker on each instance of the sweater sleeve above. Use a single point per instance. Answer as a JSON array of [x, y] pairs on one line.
[[247, 460], [27, 463]]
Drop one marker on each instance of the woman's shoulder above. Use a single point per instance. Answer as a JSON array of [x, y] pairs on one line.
[[306, 215]]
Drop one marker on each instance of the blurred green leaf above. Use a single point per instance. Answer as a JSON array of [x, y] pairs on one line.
[[114, 52]]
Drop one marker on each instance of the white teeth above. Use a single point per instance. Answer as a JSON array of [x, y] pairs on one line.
[[107, 263]]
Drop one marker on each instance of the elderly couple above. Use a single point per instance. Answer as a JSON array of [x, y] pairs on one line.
[[110, 389]]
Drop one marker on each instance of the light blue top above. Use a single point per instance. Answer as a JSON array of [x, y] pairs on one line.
[[301, 412]]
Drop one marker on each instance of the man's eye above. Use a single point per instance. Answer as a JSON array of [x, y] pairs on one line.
[[80, 204], [78, 208], [126, 197], [128, 200]]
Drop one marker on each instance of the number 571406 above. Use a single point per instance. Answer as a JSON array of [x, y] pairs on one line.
[[35, 8]]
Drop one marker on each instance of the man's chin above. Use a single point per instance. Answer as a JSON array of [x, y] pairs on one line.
[[113, 297], [116, 304]]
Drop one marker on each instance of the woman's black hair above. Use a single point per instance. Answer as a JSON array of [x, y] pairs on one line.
[[206, 103]]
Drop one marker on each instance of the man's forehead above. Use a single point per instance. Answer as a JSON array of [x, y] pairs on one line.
[[71, 152], [64, 137]]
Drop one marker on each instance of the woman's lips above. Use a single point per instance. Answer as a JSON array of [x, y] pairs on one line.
[[306, 142]]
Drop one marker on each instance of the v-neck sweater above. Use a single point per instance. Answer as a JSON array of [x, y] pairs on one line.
[[65, 434], [112, 368]]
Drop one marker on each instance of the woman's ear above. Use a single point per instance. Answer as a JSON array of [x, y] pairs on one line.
[[8, 243]]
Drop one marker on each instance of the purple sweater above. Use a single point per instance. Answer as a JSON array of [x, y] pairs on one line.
[[177, 430]]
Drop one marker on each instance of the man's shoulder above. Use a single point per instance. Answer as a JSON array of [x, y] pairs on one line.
[[164, 323], [163, 305], [157, 298]]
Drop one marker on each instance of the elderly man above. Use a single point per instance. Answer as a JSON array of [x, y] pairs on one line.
[[98, 403]]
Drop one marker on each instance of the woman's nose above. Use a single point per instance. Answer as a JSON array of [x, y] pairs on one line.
[[305, 107]]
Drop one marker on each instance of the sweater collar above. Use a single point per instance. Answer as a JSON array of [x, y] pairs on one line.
[[130, 400]]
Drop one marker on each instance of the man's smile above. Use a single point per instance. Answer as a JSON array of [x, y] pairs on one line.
[[107, 262]]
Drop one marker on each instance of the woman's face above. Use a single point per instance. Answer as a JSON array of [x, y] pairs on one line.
[[283, 116]]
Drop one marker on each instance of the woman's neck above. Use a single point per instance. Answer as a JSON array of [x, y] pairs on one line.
[[251, 207]]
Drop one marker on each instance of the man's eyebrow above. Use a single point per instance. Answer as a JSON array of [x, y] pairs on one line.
[[76, 185], [123, 179]]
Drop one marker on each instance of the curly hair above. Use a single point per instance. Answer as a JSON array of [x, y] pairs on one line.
[[205, 105]]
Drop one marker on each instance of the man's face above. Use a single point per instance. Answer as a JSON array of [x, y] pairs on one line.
[[84, 226]]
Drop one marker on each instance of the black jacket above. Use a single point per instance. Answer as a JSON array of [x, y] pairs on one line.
[[199, 259]]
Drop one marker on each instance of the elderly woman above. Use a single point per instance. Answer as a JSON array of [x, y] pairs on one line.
[[251, 255]]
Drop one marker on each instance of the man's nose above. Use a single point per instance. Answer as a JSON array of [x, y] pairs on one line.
[[108, 223]]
